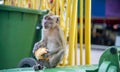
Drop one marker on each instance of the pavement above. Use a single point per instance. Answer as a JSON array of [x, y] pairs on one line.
[[96, 52]]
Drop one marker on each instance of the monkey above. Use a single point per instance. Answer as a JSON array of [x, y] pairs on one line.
[[52, 40]]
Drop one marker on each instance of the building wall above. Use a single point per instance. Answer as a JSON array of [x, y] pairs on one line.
[[113, 8]]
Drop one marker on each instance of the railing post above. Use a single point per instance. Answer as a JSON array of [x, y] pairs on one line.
[[81, 32], [72, 32], [87, 30]]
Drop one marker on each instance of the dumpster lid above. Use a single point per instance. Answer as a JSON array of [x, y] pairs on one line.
[[80, 68], [26, 10]]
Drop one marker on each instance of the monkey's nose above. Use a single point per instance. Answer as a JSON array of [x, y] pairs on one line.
[[45, 23]]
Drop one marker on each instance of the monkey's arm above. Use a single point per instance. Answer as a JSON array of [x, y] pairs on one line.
[[38, 45], [41, 43]]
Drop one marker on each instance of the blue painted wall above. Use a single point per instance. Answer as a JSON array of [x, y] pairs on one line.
[[103, 8], [98, 8], [113, 8]]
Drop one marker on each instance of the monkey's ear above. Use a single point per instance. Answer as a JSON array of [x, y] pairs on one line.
[[57, 19], [51, 13]]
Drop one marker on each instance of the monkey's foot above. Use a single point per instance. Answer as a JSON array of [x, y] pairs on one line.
[[38, 67]]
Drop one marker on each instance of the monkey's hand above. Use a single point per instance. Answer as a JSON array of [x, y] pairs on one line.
[[40, 52]]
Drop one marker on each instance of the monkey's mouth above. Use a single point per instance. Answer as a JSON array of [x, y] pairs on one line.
[[46, 27]]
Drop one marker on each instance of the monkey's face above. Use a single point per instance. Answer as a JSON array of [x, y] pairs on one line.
[[50, 21]]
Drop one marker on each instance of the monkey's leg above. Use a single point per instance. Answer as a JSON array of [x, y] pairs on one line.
[[56, 58], [41, 64], [44, 63]]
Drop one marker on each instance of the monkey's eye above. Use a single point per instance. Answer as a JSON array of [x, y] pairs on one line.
[[48, 18]]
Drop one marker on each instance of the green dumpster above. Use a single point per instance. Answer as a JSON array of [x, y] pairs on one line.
[[108, 62], [17, 34]]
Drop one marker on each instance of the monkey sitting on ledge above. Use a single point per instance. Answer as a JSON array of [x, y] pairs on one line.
[[50, 50]]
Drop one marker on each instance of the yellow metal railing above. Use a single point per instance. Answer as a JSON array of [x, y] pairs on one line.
[[81, 32], [87, 31], [67, 10], [72, 30]]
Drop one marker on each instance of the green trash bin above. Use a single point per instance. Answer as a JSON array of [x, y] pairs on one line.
[[17, 32]]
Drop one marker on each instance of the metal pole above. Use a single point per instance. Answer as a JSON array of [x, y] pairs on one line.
[[81, 32], [87, 30], [72, 33]]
